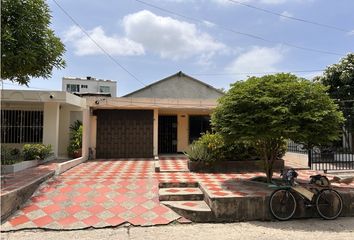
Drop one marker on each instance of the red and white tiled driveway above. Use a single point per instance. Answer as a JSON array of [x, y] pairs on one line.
[[105, 193], [96, 194]]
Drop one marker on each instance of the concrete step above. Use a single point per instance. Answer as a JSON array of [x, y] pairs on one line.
[[180, 194], [178, 184], [196, 211]]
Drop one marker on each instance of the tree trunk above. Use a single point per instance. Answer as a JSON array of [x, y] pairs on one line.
[[268, 167]]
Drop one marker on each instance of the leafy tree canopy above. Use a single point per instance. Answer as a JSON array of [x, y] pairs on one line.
[[29, 48], [340, 78], [340, 81], [266, 110]]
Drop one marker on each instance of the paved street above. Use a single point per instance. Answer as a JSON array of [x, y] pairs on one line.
[[340, 229]]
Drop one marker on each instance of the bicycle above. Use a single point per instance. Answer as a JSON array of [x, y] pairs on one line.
[[328, 202]]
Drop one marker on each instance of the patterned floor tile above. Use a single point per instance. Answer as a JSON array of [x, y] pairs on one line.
[[96, 193], [105, 193]]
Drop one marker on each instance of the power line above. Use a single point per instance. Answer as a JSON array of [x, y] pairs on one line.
[[102, 49], [253, 73], [238, 32], [290, 17], [17, 85]]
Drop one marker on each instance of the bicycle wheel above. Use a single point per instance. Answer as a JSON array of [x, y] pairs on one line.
[[282, 204], [329, 204]]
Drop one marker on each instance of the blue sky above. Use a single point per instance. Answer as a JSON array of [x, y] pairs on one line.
[[153, 44]]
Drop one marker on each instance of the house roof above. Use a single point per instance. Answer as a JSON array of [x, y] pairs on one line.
[[178, 74]]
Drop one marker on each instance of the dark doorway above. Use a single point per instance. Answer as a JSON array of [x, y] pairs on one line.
[[167, 134], [124, 133], [197, 126]]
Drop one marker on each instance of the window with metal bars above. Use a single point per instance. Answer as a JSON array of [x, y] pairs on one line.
[[18, 126]]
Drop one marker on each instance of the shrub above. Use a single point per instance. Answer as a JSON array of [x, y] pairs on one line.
[[222, 150], [214, 145], [211, 147], [198, 153], [36, 151], [75, 137], [10, 155]]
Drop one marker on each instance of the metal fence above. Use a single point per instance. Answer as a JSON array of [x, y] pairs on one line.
[[296, 147], [331, 159], [334, 158]]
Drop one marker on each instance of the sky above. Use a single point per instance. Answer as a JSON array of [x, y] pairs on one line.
[[216, 41]]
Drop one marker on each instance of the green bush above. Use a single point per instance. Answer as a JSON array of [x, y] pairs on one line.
[[198, 153], [36, 151], [211, 147], [75, 137], [222, 150], [10, 155], [214, 145]]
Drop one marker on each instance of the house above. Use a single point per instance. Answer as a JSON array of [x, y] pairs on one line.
[[161, 118], [39, 117], [89, 86]]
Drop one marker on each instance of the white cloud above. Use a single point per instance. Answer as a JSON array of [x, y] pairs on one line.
[[287, 14], [351, 32], [168, 37], [256, 60], [112, 44]]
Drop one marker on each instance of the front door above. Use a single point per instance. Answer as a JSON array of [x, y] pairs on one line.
[[167, 134]]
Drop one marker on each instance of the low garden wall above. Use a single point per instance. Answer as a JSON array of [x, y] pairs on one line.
[[5, 169], [234, 209], [232, 166]]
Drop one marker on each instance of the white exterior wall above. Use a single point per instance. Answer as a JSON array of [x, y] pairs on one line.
[[51, 126], [68, 115], [93, 86], [59, 109]]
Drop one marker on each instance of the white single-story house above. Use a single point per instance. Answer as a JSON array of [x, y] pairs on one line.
[[160, 118]]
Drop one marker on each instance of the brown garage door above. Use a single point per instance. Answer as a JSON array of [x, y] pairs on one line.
[[124, 133]]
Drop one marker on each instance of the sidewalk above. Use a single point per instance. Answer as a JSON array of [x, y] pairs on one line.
[[17, 187]]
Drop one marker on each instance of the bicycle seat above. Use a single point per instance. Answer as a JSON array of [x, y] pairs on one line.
[[319, 180]]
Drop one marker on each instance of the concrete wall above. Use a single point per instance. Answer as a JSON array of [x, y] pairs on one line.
[[68, 115], [51, 126], [93, 132], [178, 87]]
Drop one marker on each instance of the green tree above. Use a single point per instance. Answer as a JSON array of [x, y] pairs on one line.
[[29, 48], [270, 109], [340, 81]]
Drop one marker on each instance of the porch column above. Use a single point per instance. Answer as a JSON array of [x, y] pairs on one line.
[[156, 132], [93, 133], [51, 126], [85, 132]]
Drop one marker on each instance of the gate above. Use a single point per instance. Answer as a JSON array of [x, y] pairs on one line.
[[331, 159], [334, 158]]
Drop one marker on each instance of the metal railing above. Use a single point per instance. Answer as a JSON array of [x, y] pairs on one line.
[[296, 147], [19, 126], [331, 159]]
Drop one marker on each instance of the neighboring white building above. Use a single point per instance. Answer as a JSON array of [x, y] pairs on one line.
[[89, 85]]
